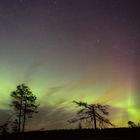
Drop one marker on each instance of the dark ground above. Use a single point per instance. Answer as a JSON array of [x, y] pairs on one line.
[[83, 134]]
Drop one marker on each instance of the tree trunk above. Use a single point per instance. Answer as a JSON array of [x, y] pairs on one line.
[[94, 119], [24, 116], [20, 114]]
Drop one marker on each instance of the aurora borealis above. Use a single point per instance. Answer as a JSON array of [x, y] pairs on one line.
[[65, 50]]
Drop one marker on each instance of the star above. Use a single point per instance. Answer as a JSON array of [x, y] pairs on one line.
[[98, 41]]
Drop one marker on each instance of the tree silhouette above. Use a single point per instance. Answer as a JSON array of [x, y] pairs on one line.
[[14, 125], [93, 113], [24, 104], [131, 124], [4, 128]]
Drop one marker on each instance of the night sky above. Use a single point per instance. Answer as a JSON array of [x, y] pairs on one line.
[[65, 50]]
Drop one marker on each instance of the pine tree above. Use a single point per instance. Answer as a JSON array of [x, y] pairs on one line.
[[24, 104]]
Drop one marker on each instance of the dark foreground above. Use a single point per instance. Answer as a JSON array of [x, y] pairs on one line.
[[83, 134]]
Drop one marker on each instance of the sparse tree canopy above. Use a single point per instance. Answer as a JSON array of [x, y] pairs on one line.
[[24, 104], [93, 113]]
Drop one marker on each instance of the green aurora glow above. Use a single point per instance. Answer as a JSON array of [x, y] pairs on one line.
[[66, 51]]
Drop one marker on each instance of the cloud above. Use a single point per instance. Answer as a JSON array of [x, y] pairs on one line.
[[38, 63], [31, 71], [4, 115], [53, 90], [50, 117]]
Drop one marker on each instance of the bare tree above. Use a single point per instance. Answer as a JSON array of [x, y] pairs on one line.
[[93, 113]]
